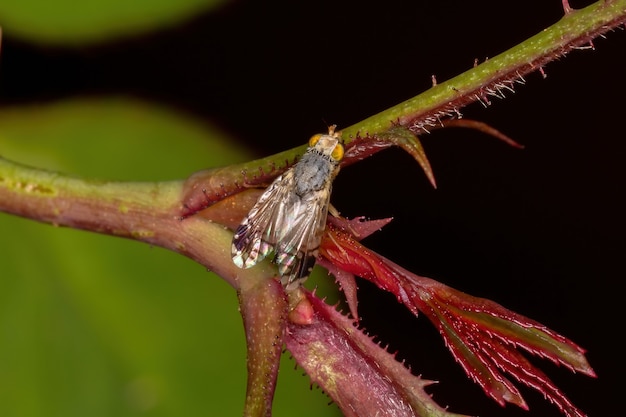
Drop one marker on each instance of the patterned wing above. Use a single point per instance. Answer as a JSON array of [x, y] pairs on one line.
[[256, 236], [286, 222], [299, 237]]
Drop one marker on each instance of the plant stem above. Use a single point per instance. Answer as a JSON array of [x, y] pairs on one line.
[[146, 211], [495, 76]]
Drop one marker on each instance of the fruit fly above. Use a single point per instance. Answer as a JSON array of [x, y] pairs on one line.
[[290, 216]]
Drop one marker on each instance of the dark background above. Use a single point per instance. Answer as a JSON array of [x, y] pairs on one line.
[[540, 231]]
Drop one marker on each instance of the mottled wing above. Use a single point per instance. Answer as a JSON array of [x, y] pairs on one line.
[[256, 236], [299, 235], [283, 221]]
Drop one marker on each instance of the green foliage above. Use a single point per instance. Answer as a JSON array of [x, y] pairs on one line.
[[81, 22], [96, 326]]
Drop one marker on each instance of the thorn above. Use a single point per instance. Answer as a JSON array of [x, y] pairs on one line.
[[543, 73], [433, 79], [484, 128], [566, 7]]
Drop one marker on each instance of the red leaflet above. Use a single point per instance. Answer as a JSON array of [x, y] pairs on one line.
[[360, 376], [483, 336]]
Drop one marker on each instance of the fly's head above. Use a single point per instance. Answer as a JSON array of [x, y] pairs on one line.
[[328, 145]]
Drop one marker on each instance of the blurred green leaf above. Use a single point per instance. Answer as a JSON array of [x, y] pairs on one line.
[[80, 22], [93, 325]]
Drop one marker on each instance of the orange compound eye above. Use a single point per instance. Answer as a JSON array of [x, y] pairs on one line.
[[337, 153], [314, 139]]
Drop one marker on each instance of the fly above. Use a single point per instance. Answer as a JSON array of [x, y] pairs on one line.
[[290, 216]]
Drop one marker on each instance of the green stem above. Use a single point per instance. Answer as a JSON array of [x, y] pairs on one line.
[[494, 76], [145, 211], [128, 209], [427, 110]]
